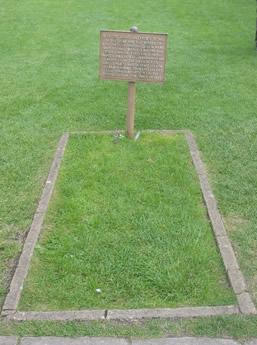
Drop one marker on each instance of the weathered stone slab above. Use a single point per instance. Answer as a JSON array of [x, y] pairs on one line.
[[237, 281], [80, 315], [227, 253], [8, 340], [49, 185], [214, 215], [246, 304], [170, 313], [229, 259], [12, 299], [73, 341], [185, 341], [252, 342]]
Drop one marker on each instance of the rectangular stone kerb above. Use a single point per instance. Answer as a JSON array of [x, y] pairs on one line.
[[12, 298], [234, 273]]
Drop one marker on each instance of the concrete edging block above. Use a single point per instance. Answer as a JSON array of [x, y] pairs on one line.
[[69, 315], [73, 341], [237, 281], [8, 340], [246, 304], [170, 313], [215, 218], [227, 253], [234, 273], [126, 315], [185, 341]]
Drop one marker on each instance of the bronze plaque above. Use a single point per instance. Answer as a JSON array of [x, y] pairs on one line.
[[131, 56]]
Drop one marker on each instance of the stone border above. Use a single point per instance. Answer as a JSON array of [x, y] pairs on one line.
[[76, 341], [235, 276], [170, 313], [10, 340], [13, 297], [125, 341], [122, 315], [234, 273]]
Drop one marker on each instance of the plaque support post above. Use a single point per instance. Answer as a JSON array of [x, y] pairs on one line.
[[131, 100], [131, 109]]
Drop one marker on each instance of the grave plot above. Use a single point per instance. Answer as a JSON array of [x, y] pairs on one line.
[[126, 218]]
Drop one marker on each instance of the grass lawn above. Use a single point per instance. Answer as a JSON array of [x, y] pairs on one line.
[[126, 217], [239, 327], [49, 84]]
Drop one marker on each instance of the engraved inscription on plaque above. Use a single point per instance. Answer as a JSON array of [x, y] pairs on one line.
[[133, 56]]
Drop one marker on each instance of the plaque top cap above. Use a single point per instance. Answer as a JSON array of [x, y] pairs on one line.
[[138, 32], [134, 29]]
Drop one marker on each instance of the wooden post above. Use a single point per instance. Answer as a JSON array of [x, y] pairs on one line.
[[256, 31], [131, 100], [131, 109]]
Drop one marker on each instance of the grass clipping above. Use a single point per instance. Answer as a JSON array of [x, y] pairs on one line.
[[126, 229]]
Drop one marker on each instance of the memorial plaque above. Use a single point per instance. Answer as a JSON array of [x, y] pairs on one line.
[[131, 56]]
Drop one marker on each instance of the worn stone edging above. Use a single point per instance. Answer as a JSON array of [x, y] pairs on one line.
[[12, 298], [170, 313], [126, 341], [234, 273], [10, 340], [70, 315], [128, 314]]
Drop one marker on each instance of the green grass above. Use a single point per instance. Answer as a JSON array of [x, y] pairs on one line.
[[237, 327], [126, 217], [49, 84]]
